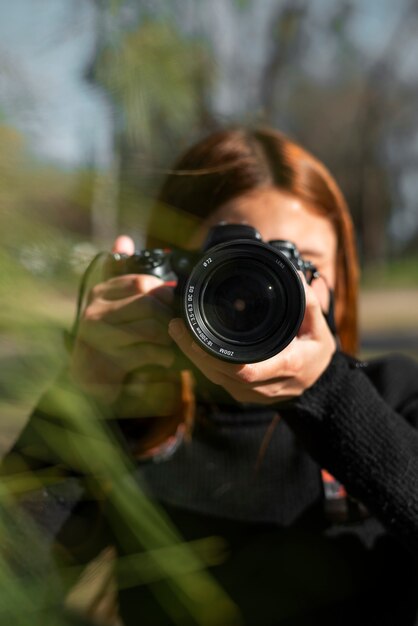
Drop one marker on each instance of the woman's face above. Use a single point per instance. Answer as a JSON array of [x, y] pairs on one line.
[[280, 215]]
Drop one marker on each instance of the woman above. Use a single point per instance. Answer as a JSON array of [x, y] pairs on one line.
[[243, 451]]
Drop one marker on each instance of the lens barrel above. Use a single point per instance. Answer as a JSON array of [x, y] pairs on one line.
[[243, 301]]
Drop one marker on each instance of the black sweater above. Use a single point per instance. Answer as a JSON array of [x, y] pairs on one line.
[[252, 475]]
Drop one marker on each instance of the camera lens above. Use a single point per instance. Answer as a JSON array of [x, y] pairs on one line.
[[241, 304], [243, 301]]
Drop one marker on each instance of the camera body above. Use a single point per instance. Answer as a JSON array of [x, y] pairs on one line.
[[241, 298]]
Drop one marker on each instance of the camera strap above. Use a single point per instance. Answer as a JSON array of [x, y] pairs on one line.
[[330, 314], [70, 335]]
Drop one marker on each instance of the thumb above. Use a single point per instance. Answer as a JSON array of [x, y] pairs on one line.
[[124, 245]]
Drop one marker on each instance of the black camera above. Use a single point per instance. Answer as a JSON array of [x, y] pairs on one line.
[[241, 297]]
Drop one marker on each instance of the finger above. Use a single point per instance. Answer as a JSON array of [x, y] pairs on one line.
[[109, 338], [202, 359], [284, 364], [153, 374], [97, 374], [137, 308], [124, 310], [267, 387], [184, 340], [123, 360], [120, 287], [262, 394], [117, 287], [124, 245], [158, 399], [147, 331], [132, 285], [137, 356], [215, 369]]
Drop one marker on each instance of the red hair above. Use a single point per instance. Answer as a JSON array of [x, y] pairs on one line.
[[224, 166], [233, 162]]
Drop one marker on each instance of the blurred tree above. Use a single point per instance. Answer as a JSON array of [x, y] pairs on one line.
[[347, 112], [155, 81], [156, 64], [286, 45]]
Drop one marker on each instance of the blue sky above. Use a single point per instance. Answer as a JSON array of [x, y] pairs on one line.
[[46, 44], [44, 47]]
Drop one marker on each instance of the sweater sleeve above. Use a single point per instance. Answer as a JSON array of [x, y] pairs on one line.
[[359, 421]]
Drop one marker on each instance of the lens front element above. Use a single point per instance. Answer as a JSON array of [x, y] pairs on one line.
[[244, 301], [241, 302]]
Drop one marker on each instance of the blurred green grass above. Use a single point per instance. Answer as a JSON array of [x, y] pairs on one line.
[[36, 311], [396, 274]]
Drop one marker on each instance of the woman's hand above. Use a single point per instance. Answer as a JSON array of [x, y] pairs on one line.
[[282, 377], [122, 330]]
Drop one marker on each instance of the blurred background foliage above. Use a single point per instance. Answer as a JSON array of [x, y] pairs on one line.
[[97, 97]]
